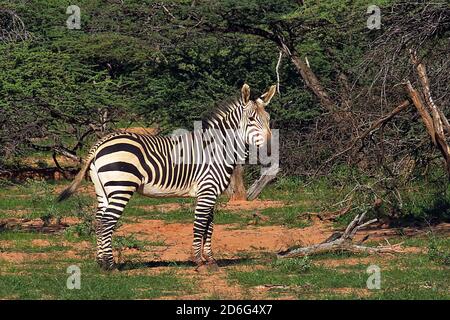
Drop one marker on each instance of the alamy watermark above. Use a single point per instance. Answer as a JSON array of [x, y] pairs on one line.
[[74, 280], [74, 20], [374, 280], [374, 20], [225, 146]]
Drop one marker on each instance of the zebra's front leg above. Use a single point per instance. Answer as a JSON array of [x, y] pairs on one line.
[[202, 223]]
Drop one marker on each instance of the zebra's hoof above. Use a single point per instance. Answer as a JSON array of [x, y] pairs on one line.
[[212, 266], [201, 268], [106, 265], [207, 267]]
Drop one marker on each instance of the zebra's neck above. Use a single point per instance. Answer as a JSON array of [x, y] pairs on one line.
[[225, 129], [219, 141]]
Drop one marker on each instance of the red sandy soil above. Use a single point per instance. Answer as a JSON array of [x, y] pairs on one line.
[[227, 241], [229, 206]]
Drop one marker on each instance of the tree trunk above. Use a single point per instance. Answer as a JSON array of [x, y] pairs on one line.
[[311, 81], [236, 189]]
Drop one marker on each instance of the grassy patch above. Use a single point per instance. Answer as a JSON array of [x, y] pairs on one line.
[[407, 276], [19, 241], [51, 283], [421, 275], [37, 199]]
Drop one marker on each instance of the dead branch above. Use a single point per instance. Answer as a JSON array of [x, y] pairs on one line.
[[12, 28], [444, 121], [435, 122], [342, 242], [66, 153], [256, 188], [277, 70], [418, 103], [57, 150], [381, 121], [330, 216]]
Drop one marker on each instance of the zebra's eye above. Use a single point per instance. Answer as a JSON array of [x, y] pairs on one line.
[[251, 118]]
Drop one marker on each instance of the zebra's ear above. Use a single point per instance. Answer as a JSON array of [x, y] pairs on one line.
[[266, 97], [245, 93]]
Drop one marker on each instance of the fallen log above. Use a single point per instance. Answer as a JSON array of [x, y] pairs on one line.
[[342, 242]]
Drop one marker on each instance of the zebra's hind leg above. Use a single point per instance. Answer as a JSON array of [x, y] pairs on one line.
[[98, 231], [207, 251], [202, 224], [101, 207], [116, 204]]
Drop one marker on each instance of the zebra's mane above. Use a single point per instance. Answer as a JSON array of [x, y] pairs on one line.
[[220, 112]]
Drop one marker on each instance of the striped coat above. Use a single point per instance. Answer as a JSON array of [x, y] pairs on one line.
[[196, 164]]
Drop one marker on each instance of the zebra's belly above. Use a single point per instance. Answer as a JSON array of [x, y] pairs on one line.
[[156, 191]]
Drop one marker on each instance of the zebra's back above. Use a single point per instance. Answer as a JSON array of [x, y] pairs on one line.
[[144, 163]]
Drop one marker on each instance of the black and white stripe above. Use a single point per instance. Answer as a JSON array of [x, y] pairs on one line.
[[194, 164]]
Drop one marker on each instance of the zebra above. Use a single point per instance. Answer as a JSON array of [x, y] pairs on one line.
[[123, 163]]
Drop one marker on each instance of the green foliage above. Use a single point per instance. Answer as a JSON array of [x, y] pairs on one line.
[[42, 204], [439, 250], [57, 80], [423, 199], [42, 197], [167, 63], [84, 212]]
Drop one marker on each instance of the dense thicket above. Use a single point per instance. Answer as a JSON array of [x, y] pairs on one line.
[[166, 63]]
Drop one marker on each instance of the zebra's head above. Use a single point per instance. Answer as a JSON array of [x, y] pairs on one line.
[[255, 119]]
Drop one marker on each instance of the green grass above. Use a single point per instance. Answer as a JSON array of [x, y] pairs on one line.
[[21, 241], [37, 200], [50, 283], [184, 215], [408, 276], [45, 277]]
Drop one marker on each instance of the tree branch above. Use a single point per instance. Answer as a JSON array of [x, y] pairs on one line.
[[381, 121]]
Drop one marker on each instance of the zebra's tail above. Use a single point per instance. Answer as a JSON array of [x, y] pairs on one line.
[[76, 182]]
